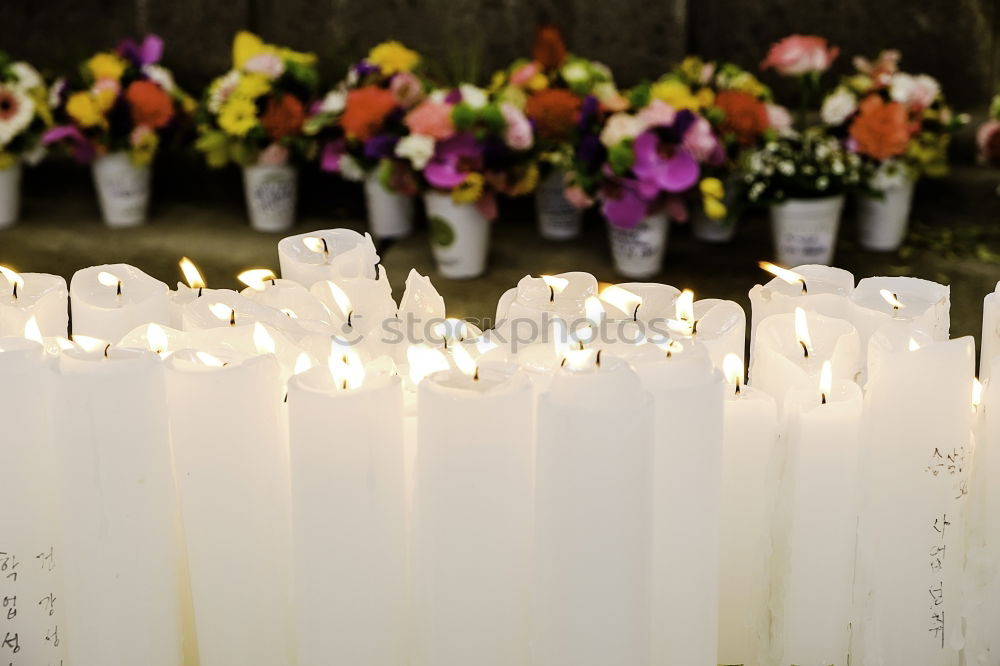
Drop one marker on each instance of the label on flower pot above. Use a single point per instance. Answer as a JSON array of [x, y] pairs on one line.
[[809, 247], [273, 194], [557, 217], [122, 189], [638, 252], [442, 233]]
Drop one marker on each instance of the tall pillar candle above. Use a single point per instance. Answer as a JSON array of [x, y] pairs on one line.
[[38, 295], [109, 301], [594, 516]]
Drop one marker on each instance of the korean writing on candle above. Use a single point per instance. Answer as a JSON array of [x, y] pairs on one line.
[[29, 626]]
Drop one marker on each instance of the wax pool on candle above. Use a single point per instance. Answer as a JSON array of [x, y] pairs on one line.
[[31, 553], [109, 301], [475, 448], [119, 507], [27, 295], [330, 254], [594, 516]]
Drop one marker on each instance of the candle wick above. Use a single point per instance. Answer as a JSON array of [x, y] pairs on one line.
[[344, 385], [326, 249], [272, 282], [635, 313], [475, 377], [823, 398], [805, 288], [119, 290], [445, 338], [350, 315], [15, 291], [597, 360], [286, 397], [232, 317], [694, 328], [199, 291], [581, 344], [805, 348], [552, 294], [562, 363], [739, 386], [107, 350]]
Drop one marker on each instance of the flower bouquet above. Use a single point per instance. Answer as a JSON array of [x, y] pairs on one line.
[[114, 115], [566, 98], [359, 125], [655, 157], [743, 115], [24, 116], [466, 147], [802, 174], [254, 115], [900, 126]]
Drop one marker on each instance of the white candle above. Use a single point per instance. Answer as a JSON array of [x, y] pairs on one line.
[[720, 326], [195, 288], [122, 554], [923, 305], [38, 295], [816, 525], [475, 448], [288, 297], [330, 254], [420, 309], [526, 311], [361, 311], [231, 457], [640, 301], [348, 509], [749, 488], [991, 334], [31, 553], [109, 301], [910, 553], [594, 516]]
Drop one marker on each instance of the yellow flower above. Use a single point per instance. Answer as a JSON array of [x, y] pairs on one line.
[[251, 86], [298, 57], [527, 183], [538, 82], [712, 187], [189, 104], [144, 144], [712, 192], [674, 93], [245, 46], [392, 57], [714, 208], [749, 84], [470, 190], [498, 81], [84, 109], [691, 68], [106, 66], [104, 97], [238, 116], [514, 96], [705, 97]]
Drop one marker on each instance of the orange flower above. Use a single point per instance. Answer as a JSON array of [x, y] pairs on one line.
[[549, 49], [746, 116], [880, 128], [366, 109], [284, 116], [151, 105], [555, 112]]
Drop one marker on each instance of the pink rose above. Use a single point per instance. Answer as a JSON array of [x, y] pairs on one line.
[[988, 140], [407, 89], [657, 113], [800, 54], [268, 64], [577, 198], [432, 119], [778, 118], [274, 155], [518, 134], [701, 143], [523, 74]]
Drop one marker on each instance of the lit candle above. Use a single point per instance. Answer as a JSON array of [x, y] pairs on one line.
[[288, 297], [921, 304], [331, 254], [594, 515], [420, 308], [119, 508], [109, 301], [27, 295], [525, 311], [749, 488], [231, 458], [475, 462], [348, 509], [640, 301], [193, 287], [720, 326], [816, 524], [360, 310]]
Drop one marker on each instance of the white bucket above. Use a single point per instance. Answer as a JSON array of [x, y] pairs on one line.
[[638, 252], [390, 214], [712, 231], [10, 195], [558, 219], [883, 221], [460, 236], [805, 230], [122, 189], [271, 193]]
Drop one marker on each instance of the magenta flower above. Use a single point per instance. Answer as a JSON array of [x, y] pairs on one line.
[[626, 201], [668, 167], [83, 149], [453, 159]]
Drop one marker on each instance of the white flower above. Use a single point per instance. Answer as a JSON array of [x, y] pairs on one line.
[[920, 90], [334, 102], [350, 169], [601, 71], [889, 175], [26, 76], [16, 112], [55, 92], [838, 106], [268, 64], [221, 89], [418, 148], [619, 127], [575, 72], [161, 76], [778, 118], [438, 95], [473, 96], [787, 168]]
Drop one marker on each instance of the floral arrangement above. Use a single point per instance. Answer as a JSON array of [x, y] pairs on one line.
[[897, 122], [465, 142], [360, 123], [121, 100], [24, 112], [256, 111]]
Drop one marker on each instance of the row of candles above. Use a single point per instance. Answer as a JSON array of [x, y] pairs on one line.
[[306, 472]]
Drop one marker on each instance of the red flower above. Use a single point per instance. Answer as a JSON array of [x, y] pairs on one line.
[[151, 105], [880, 128], [366, 109], [549, 49], [284, 116], [746, 116], [555, 112]]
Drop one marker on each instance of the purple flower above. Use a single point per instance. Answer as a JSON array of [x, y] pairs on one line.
[[668, 167], [364, 68], [453, 159], [588, 111], [626, 201], [454, 96], [332, 152], [83, 149], [591, 151], [380, 146], [147, 53]]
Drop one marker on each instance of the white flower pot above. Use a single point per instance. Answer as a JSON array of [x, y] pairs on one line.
[[122, 189], [10, 195], [883, 221], [460, 236], [390, 214], [805, 230], [558, 219], [706, 229], [638, 252], [271, 193]]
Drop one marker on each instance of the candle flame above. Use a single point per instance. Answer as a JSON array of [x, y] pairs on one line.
[[257, 278], [302, 364], [89, 344], [802, 331], [732, 368], [315, 244], [977, 392], [32, 331], [262, 340], [914, 345], [825, 381], [891, 299], [207, 359], [791, 277], [340, 299], [108, 279], [424, 361], [621, 298], [191, 274], [684, 306], [465, 362], [156, 338], [12, 277], [346, 368]]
